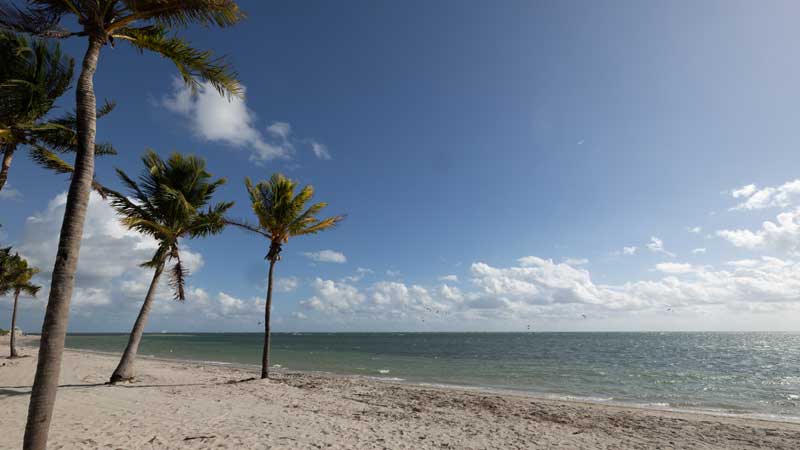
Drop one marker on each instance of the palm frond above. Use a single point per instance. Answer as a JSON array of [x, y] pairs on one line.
[[167, 203], [180, 13], [177, 276], [39, 21], [280, 211], [193, 65], [50, 161]]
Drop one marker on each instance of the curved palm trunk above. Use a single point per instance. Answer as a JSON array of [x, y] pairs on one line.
[[124, 370], [14, 325], [54, 328], [8, 155], [267, 311]]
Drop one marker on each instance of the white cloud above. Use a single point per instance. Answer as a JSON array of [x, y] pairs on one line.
[[334, 297], [450, 278], [699, 251], [744, 191], [629, 250], [299, 315], [329, 256], [694, 229], [783, 236], [767, 197], [280, 129], [576, 261], [674, 268], [542, 288], [215, 118], [393, 273], [108, 266], [9, 193], [361, 272], [83, 297], [320, 150], [656, 245], [288, 284]]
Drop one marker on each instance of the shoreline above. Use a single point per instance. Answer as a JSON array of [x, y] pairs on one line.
[[189, 405], [462, 388]]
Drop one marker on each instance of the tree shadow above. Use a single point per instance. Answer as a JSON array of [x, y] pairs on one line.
[[26, 390]]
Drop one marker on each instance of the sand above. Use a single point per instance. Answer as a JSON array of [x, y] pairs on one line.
[[176, 405]]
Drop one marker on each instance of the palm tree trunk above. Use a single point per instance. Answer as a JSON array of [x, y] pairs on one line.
[[267, 311], [8, 155], [124, 370], [54, 328], [14, 325]]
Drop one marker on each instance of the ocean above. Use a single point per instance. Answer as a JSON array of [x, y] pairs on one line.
[[753, 374]]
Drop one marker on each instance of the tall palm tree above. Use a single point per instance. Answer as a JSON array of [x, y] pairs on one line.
[[145, 24], [166, 204], [17, 277], [281, 215]]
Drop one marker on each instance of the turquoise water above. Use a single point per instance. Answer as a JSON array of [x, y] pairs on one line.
[[737, 373]]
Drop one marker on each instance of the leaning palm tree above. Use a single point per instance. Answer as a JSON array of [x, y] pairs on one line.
[[17, 279], [281, 215], [166, 204], [145, 24]]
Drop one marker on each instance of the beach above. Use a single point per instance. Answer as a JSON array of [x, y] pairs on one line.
[[186, 405]]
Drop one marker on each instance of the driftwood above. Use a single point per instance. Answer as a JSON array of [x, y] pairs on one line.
[[189, 438]]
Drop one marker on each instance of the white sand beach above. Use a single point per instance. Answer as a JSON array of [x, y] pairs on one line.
[[176, 405]]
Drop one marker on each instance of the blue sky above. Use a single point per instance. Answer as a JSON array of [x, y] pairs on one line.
[[502, 144]]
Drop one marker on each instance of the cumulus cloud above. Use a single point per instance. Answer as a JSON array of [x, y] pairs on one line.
[[320, 150], [215, 118], [335, 297], [656, 245], [329, 256], [450, 278], [9, 193], [699, 251], [669, 267], [539, 287], [576, 261], [694, 229], [361, 272], [782, 235], [108, 267], [280, 130], [767, 197], [288, 284]]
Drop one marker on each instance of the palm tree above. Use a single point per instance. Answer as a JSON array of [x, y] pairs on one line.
[[17, 279], [33, 76], [281, 215], [145, 24], [166, 205]]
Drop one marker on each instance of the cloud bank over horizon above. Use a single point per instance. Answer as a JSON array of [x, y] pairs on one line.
[[532, 289]]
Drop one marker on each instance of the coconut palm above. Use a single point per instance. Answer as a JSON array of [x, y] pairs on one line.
[[281, 215], [17, 277], [33, 75], [167, 205], [145, 24]]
